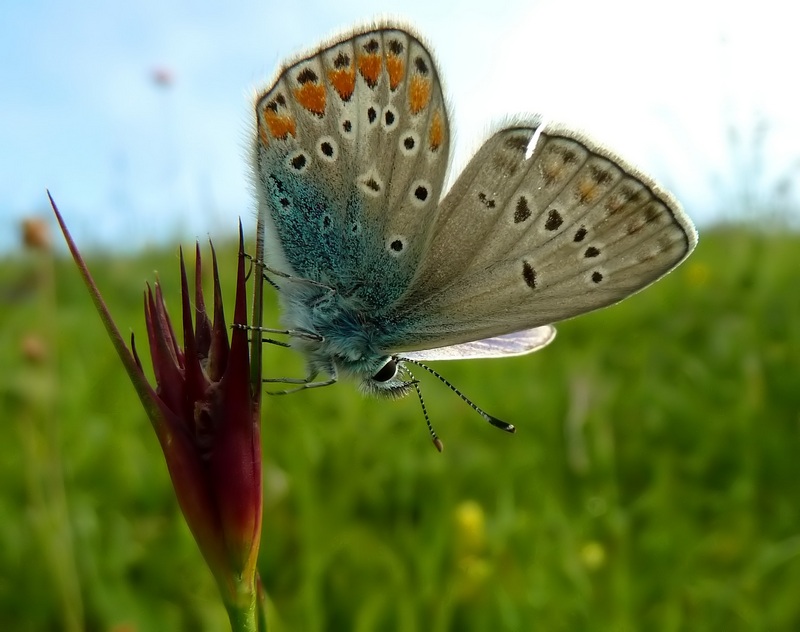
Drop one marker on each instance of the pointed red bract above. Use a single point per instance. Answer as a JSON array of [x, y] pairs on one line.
[[205, 412]]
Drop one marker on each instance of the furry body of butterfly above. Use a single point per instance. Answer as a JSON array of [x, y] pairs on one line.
[[351, 149]]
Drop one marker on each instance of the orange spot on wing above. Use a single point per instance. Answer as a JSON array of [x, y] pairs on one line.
[[344, 82], [436, 133], [419, 93], [312, 97], [395, 67], [262, 134], [587, 190], [370, 68], [279, 126]]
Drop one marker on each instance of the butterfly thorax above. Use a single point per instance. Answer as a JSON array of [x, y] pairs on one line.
[[350, 339]]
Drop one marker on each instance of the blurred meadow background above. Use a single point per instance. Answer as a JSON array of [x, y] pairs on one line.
[[653, 481]]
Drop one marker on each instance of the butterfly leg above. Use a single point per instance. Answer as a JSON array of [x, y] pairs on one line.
[[284, 275], [256, 263], [277, 343], [304, 383], [305, 334]]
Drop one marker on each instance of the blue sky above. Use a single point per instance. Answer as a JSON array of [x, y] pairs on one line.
[[684, 88]]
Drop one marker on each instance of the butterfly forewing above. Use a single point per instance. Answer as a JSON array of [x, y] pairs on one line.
[[351, 150], [531, 235]]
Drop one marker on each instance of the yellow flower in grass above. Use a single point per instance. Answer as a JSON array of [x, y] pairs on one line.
[[698, 274], [470, 522], [472, 566], [593, 555]]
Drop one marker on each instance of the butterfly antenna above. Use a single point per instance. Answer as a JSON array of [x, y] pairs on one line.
[[436, 440], [497, 423]]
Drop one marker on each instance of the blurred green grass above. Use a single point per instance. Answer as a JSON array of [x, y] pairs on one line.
[[652, 483]]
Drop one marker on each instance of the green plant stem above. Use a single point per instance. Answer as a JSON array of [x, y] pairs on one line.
[[41, 438], [243, 616]]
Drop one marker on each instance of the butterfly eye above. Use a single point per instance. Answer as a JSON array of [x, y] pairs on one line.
[[387, 371]]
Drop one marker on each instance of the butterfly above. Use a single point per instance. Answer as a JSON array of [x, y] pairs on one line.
[[376, 268]]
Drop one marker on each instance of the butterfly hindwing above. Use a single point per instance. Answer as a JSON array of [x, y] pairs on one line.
[[542, 225]]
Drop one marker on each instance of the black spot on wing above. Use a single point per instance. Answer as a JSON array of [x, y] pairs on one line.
[[529, 275], [554, 220], [523, 211]]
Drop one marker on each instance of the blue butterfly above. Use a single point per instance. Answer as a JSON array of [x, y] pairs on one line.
[[350, 153]]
